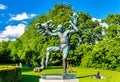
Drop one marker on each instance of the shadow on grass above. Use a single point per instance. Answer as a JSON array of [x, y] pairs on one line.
[[85, 76], [30, 78], [26, 69], [53, 67]]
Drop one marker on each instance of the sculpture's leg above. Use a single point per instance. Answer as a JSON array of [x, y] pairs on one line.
[[65, 66], [49, 49], [65, 54], [47, 57]]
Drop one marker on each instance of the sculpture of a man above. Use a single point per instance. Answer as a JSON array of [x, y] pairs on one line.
[[64, 36]]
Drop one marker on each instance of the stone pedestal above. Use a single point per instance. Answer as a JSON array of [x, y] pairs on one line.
[[58, 78]]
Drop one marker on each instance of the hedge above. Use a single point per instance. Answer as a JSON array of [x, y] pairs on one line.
[[10, 74]]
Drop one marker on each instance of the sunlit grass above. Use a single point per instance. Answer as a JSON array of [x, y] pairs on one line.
[[83, 74]]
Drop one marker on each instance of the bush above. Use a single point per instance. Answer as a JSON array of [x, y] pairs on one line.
[[10, 74]]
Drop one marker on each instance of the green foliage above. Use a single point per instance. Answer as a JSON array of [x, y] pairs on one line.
[[112, 31], [5, 52], [104, 54], [91, 32], [78, 54], [113, 19], [10, 74]]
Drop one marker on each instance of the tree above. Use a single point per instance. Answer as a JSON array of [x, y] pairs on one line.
[[5, 52]]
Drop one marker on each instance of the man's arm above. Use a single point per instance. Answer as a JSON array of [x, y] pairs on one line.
[[47, 24], [75, 29], [71, 16], [50, 33]]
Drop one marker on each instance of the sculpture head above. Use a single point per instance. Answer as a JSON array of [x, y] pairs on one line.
[[61, 28]]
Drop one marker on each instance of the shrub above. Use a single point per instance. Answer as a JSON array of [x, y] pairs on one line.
[[10, 74]]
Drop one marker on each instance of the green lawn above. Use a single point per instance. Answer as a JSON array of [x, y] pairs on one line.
[[83, 74]]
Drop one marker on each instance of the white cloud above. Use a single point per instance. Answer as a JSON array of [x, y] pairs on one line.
[[12, 32], [104, 25], [94, 19], [21, 16], [4, 39], [2, 7]]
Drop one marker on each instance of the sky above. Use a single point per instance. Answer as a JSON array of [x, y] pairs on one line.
[[16, 14]]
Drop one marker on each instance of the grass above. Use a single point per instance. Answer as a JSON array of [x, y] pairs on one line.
[[83, 74]]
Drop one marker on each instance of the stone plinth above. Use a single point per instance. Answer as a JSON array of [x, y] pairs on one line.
[[58, 78]]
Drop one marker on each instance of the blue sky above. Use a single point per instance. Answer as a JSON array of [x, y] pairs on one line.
[[16, 14]]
